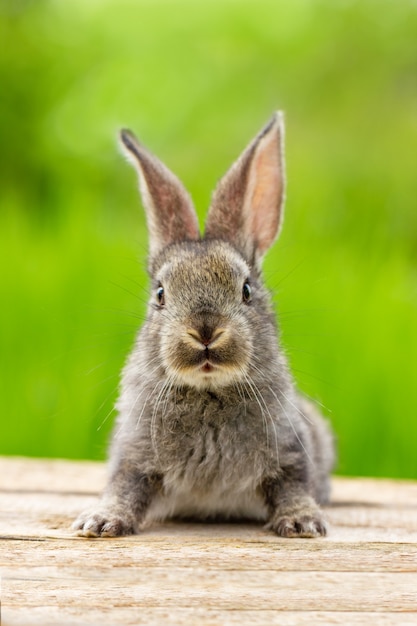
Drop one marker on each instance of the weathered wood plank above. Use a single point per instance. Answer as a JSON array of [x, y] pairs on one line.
[[219, 553], [49, 475], [177, 573], [230, 590], [142, 616]]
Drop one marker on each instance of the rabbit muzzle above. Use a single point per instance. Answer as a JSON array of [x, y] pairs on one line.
[[206, 356]]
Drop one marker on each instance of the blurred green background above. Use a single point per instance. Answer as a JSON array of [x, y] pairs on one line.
[[196, 80]]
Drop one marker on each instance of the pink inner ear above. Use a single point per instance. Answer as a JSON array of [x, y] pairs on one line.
[[169, 209], [263, 202]]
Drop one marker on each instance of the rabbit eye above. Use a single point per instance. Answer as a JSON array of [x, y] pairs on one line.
[[246, 292], [160, 296]]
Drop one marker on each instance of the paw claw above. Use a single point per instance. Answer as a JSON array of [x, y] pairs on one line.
[[92, 524], [305, 526]]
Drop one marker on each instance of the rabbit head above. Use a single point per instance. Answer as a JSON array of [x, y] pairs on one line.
[[208, 306]]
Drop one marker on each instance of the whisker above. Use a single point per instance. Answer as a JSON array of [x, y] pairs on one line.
[[258, 397], [316, 401], [288, 274], [106, 418], [321, 380], [241, 395], [131, 293], [102, 405], [296, 407], [165, 384], [144, 406], [292, 426], [139, 395]]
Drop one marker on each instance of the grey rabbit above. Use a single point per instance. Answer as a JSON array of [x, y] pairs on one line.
[[209, 423]]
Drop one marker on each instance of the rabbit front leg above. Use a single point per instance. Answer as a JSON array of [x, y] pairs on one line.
[[293, 512], [123, 504]]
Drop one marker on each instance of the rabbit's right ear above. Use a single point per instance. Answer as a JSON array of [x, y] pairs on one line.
[[169, 210]]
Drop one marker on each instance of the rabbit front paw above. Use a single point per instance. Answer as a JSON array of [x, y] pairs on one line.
[[102, 524], [302, 526]]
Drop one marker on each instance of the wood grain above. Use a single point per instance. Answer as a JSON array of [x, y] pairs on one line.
[[364, 572]]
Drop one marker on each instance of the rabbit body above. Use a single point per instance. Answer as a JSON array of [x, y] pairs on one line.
[[209, 423]]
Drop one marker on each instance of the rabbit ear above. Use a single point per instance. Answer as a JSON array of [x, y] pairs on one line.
[[247, 205], [169, 210]]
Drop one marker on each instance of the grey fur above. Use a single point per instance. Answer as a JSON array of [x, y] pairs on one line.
[[209, 423]]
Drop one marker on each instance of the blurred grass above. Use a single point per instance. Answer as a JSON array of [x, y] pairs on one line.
[[196, 81]]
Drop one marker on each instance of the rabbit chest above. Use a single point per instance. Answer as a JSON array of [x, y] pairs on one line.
[[213, 455]]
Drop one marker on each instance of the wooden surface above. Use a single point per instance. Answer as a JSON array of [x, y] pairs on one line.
[[364, 572]]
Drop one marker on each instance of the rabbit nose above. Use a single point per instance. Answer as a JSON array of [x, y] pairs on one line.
[[205, 336]]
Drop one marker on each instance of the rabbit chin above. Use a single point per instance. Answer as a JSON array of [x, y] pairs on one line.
[[203, 378]]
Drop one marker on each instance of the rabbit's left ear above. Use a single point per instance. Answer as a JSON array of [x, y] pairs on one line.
[[169, 210], [247, 205]]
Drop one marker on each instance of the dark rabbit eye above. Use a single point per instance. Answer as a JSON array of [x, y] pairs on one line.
[[160, 296], [246, 292]]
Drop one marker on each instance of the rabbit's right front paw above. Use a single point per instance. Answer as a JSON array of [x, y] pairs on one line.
[[102, 524]]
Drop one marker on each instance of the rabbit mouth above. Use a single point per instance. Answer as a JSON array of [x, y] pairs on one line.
[[207, 368], [209, 360], [206, 363]]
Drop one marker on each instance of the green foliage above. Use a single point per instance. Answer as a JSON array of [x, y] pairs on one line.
[[196, 81]]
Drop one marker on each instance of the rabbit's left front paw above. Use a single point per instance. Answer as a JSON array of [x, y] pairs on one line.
[[293, 526]]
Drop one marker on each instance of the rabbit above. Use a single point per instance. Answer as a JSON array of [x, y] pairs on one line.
[[209, 423]]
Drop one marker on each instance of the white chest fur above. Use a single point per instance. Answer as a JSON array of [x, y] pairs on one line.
[[214, 472]]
